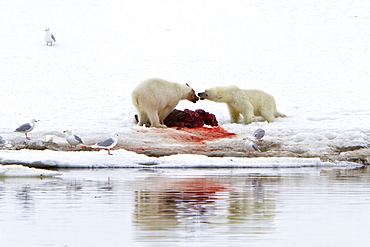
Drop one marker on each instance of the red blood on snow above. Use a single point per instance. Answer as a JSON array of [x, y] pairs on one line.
[[209, 134], [190, 128], [197, 136]]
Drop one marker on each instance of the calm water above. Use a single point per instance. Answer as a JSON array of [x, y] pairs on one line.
[[192, 207]]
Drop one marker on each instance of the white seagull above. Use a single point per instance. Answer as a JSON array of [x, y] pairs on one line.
[[250, 145], [73, 140], [108, 143], [3, 142], [258, 134], [49, 38], [27, 127]]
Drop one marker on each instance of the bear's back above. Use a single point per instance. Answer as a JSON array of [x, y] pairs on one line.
[[156, 83], [157, 91], [251, 93], [156, 86]]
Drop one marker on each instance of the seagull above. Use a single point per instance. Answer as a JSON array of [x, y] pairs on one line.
[[49, 38], [250, 145], [27, 127], [258, 134], [108, 143], [3, 142], [73, 140]]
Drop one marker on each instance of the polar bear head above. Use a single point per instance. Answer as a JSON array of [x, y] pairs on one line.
[[192, 96], [219, 94]]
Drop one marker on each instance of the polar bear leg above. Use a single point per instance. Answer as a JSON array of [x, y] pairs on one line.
[[278, 114], [154, 120], [143, 118], [248, 117], [164, 113], [248, 114], [234, 115], [268, 116]]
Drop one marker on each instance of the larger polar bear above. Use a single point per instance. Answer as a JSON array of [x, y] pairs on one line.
[[248, 103], [155, 98]]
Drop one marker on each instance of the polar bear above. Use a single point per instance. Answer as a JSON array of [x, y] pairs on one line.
[[155, 98], [248, 103]]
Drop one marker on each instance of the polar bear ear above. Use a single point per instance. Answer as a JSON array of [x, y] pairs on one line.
[[187, 85]]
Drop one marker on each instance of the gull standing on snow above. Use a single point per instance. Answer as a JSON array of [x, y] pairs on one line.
[[73, 140], [108, 143], [250, 145], [258, 134], [3, 142], [27, 127], [49, 38]]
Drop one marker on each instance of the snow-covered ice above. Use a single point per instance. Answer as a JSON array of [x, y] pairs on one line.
[[127, 159], [22, 171], [312, 56]]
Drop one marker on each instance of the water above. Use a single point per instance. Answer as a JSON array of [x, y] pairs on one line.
[[188, 207]]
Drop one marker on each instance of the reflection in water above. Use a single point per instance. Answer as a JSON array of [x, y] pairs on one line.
[[180, 208], [25, 201], [190, 207]]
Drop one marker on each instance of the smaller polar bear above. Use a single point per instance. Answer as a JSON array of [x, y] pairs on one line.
[[248, 103], [155, 98]]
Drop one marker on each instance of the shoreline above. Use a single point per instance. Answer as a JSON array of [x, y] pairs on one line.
[[212, 149]]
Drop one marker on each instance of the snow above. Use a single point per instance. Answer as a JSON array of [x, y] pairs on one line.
[[132, 160], [312, 56], [22, 171]]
